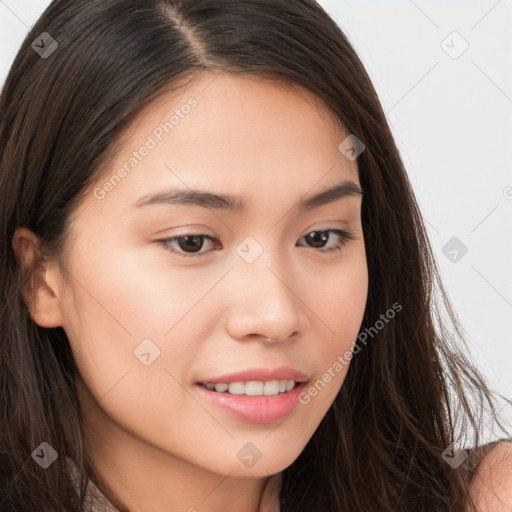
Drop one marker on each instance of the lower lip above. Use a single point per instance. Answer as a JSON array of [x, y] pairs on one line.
[[255, 409]]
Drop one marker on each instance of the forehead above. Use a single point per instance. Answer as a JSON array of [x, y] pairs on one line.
[[246, 101], [234, 133]]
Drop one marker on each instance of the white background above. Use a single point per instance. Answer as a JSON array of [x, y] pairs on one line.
[[452, 121]]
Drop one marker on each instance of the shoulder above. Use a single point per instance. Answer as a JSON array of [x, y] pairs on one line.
[[491, 485]]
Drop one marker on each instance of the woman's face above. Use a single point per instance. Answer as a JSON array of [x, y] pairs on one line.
[[148, 319]]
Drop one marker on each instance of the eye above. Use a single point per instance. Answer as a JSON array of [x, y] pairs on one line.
[[185, 242], [320, 237], [190, 245]]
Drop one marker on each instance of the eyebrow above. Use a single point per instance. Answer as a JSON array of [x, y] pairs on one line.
[[236, 205]]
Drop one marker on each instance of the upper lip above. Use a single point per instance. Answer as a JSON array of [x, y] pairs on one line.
[[259, 374]]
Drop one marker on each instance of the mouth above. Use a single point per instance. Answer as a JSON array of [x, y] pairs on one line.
[[257, 402], [252, 388]]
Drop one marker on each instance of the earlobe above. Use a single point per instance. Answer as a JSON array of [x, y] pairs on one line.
[[40, 291]]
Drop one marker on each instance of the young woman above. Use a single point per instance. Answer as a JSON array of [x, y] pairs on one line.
[[218, 292]]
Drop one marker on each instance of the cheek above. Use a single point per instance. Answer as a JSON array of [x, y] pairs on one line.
[[124, 309], [340, 307], [341, 301], [124, 312], [137, 291]]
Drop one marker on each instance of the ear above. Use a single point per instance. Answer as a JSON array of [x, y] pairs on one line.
[[41, 292]]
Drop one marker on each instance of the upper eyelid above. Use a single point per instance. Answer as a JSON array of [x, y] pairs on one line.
[[198, 231]]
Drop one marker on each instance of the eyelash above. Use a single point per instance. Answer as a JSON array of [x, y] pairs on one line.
[[344, 236]]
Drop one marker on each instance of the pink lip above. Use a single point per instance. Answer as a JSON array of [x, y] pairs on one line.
[[259, 374], [255, 409]]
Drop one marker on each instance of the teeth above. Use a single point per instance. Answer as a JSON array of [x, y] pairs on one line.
[[236, 388], [254, 388], [290, 384], [271, 388]]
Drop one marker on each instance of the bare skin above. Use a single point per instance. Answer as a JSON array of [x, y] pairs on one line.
[[157, 443]]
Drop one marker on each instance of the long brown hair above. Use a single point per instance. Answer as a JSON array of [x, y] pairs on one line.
[[410, 392]]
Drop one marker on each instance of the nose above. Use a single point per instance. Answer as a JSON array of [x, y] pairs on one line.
[[263, 304]]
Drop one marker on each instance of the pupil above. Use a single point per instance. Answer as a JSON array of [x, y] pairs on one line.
[[195, 238], [318, 234]]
